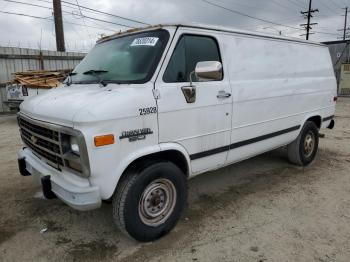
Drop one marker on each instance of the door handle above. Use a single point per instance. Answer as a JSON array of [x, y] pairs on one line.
[[223, 94]]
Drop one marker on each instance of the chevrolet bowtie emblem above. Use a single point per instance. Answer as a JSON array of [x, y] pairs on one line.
[[34, 139]]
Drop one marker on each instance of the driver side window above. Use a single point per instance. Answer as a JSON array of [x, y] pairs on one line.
[[190, 50]]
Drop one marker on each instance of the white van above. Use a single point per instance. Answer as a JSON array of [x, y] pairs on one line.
[[147, 109]]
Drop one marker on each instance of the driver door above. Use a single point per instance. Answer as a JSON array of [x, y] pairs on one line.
[[201, 126]]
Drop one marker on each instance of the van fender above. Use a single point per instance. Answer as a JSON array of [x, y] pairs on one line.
[[124, 163], [181, 149], [142, 152], [303, 121], [309, 115]]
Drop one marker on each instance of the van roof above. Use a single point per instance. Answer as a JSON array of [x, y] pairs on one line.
[[211, 27]]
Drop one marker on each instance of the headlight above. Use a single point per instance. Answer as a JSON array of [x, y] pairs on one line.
[[74, 146]]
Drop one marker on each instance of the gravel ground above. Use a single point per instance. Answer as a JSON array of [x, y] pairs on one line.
[[263, 209]]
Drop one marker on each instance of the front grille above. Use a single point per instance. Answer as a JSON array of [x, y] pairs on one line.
[[43, 142]]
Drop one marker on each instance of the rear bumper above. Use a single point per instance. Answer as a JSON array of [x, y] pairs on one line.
[[74, 191]]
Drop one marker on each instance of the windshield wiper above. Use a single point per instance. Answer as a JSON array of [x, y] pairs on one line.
[[96, 74]]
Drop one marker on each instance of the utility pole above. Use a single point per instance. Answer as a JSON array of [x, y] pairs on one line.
[[345, 29], [57, 13], [345, 22], [308, 15]]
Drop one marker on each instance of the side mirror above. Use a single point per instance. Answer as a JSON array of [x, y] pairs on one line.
[[209, 70], [206, 70]]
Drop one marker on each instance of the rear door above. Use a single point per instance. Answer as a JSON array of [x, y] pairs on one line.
[[202, 126]]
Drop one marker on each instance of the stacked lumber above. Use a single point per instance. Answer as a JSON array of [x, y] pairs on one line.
[[40, 79]]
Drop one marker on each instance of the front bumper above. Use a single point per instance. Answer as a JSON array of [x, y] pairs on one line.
[[71, 189]]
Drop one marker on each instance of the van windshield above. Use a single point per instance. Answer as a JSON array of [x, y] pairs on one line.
[[127, 59]]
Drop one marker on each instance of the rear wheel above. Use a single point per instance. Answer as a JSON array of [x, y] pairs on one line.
[[302, 151], [149, 201]]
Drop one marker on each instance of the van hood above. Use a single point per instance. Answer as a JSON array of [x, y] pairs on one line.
[[66, 105]]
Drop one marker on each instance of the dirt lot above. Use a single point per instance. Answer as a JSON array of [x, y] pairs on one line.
[[263, 209]]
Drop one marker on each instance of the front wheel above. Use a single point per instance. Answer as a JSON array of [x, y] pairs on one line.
[[302, 151], [149, 201]]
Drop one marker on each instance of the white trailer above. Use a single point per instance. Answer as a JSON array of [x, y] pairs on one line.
[[17, 93], [147, 109], [32, 83]]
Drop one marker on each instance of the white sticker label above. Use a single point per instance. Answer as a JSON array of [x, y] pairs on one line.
[[148, 41]]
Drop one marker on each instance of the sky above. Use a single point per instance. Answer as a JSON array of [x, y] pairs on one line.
[[82, 29]]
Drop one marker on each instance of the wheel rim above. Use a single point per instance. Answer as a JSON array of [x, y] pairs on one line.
[[157, 202], [309, 144]]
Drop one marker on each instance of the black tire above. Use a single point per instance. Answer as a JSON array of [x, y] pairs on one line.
[[128, 212], [297, 152]]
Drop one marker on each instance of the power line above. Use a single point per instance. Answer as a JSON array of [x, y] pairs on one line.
[[245, 5], [83, 16], [35, 5], [96, 27], [105, 13], [66, 12], [81, 13], [247, 15], [104, 21], [19, 14], [44, 1], [219, 6], [22, 3], [300, 3], [50, 19], [325, 33], [68, 6], [336, 4], [261, 19], [326, 5], [297, 4], [280, 5]]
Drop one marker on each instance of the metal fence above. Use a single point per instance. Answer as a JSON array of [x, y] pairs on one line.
[[340, 53], [13, 59]]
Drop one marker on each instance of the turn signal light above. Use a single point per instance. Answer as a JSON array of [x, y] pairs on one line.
[[104, 140]]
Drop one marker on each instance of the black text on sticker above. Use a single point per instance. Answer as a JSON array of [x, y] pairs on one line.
[[147, 41]]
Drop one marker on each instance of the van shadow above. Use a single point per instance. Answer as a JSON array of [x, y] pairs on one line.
[[93, 236], [227, 191], [268, 172]]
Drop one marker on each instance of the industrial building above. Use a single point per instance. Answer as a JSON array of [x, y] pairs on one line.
[[14, 60], [340, 53]]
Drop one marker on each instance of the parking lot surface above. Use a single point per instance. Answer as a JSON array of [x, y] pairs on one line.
[[262, 209]]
